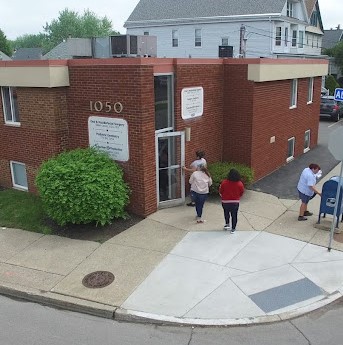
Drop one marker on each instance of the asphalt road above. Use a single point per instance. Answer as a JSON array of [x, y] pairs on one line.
[[28, 323], [290, 172]]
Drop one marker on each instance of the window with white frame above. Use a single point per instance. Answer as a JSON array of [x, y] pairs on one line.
[[10, 104], [19, 178], [278, 36], [310, 90], [175, 38], [286, 37], [294, 38], [197, 41], [307, 140], [290, 149], [301, 39], [289, 9], [225, 41], [294, 93]]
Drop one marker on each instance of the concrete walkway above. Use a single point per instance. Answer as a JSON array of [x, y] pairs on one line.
[[167, 268]]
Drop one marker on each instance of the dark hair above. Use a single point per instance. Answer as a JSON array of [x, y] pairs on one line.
[[204, 169], [314, 166], [233, 175], [200, 154]]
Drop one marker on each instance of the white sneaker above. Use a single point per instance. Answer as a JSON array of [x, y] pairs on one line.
[[227, 227], [233, 231]]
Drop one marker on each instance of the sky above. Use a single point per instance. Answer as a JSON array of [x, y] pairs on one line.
[[19, 17]]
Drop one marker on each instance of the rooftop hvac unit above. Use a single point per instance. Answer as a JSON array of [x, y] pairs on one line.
[[225, 51], [132, 45]]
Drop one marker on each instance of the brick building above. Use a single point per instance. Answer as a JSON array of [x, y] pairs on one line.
[[151, 115]]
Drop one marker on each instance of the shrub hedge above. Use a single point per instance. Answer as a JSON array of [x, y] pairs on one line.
[[219, 171], [82, 186]]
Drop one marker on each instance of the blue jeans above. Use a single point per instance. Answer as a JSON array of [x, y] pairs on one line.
[[199, 200]]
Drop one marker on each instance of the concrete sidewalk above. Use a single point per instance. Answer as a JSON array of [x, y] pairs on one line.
[[167, 268]]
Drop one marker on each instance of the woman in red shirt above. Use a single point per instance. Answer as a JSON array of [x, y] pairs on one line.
[[231, 189]]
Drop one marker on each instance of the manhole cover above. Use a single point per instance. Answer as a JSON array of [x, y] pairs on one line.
[[98, 279]]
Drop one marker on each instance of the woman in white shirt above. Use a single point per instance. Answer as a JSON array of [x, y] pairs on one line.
[[200, 181]]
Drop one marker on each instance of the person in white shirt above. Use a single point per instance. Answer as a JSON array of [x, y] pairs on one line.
[[200, 181], [306, 189], [200, 161]]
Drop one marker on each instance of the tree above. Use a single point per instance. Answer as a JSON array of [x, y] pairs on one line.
[[337, 53], [331, 84], [5, 45], [30, 41], [70, 23]]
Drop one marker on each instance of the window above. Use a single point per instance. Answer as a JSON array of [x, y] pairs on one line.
[[175, 38], [286, 37], [19, 178], [307, 141], [310, 90], [10, 104], [164, 106], [197, 41], [225, 41], [289, 9], [278, 36], [314, 18], [294, 38], [146, 33], [301, 39], [290, 149], [294, 91]]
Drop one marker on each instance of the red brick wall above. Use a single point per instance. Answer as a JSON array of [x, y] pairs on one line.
[[237, 114], [133, 86], [42, 132], [239, 118], [206, 130], [254, 112]]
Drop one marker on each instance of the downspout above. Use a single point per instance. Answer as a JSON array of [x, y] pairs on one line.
[[271, 36]]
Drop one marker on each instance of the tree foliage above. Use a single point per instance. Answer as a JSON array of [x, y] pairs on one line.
[[337, 53], [331, 83], [82, 186], [30, 41], [68, 24], [5, 45], [71, 24]]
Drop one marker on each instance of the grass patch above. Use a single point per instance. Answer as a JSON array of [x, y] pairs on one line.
[[22, 210]]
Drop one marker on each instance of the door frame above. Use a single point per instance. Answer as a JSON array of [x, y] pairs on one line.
[[172, 202]]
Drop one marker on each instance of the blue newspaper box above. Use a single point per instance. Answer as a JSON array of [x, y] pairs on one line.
[[328, 200]]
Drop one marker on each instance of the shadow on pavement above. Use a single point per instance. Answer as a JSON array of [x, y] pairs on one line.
[[282, 183]]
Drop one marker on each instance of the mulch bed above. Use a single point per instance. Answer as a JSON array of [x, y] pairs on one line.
[[91, 232]]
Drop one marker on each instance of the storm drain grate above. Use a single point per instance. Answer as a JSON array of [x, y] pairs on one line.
[[98, 279]]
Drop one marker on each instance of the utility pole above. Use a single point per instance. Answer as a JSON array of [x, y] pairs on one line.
[[242, 41]]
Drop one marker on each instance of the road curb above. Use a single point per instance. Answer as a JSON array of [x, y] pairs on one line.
[[59, 301], [123, 315]]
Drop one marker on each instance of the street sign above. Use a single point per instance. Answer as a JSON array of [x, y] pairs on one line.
[[336, 143], [338, 94]]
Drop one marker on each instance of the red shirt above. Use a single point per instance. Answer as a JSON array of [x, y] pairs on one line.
[[231, 191]]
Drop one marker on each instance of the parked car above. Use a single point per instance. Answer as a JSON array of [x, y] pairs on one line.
[[330, 108]]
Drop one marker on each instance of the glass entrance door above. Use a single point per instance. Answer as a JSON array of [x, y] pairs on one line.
[[170, 157]]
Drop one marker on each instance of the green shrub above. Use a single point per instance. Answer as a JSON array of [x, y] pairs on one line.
[[331, 84], [82, 186], [220, 170]]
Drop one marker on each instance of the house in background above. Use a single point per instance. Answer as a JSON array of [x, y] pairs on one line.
[[247, 28], [4, 57], [71, 48], [330, 39], [28, 54]]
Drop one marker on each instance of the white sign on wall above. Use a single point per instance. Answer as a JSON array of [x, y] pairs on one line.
[[109, 135], [192, 102]]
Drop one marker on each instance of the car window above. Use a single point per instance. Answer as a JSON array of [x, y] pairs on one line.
[[328, 101]]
